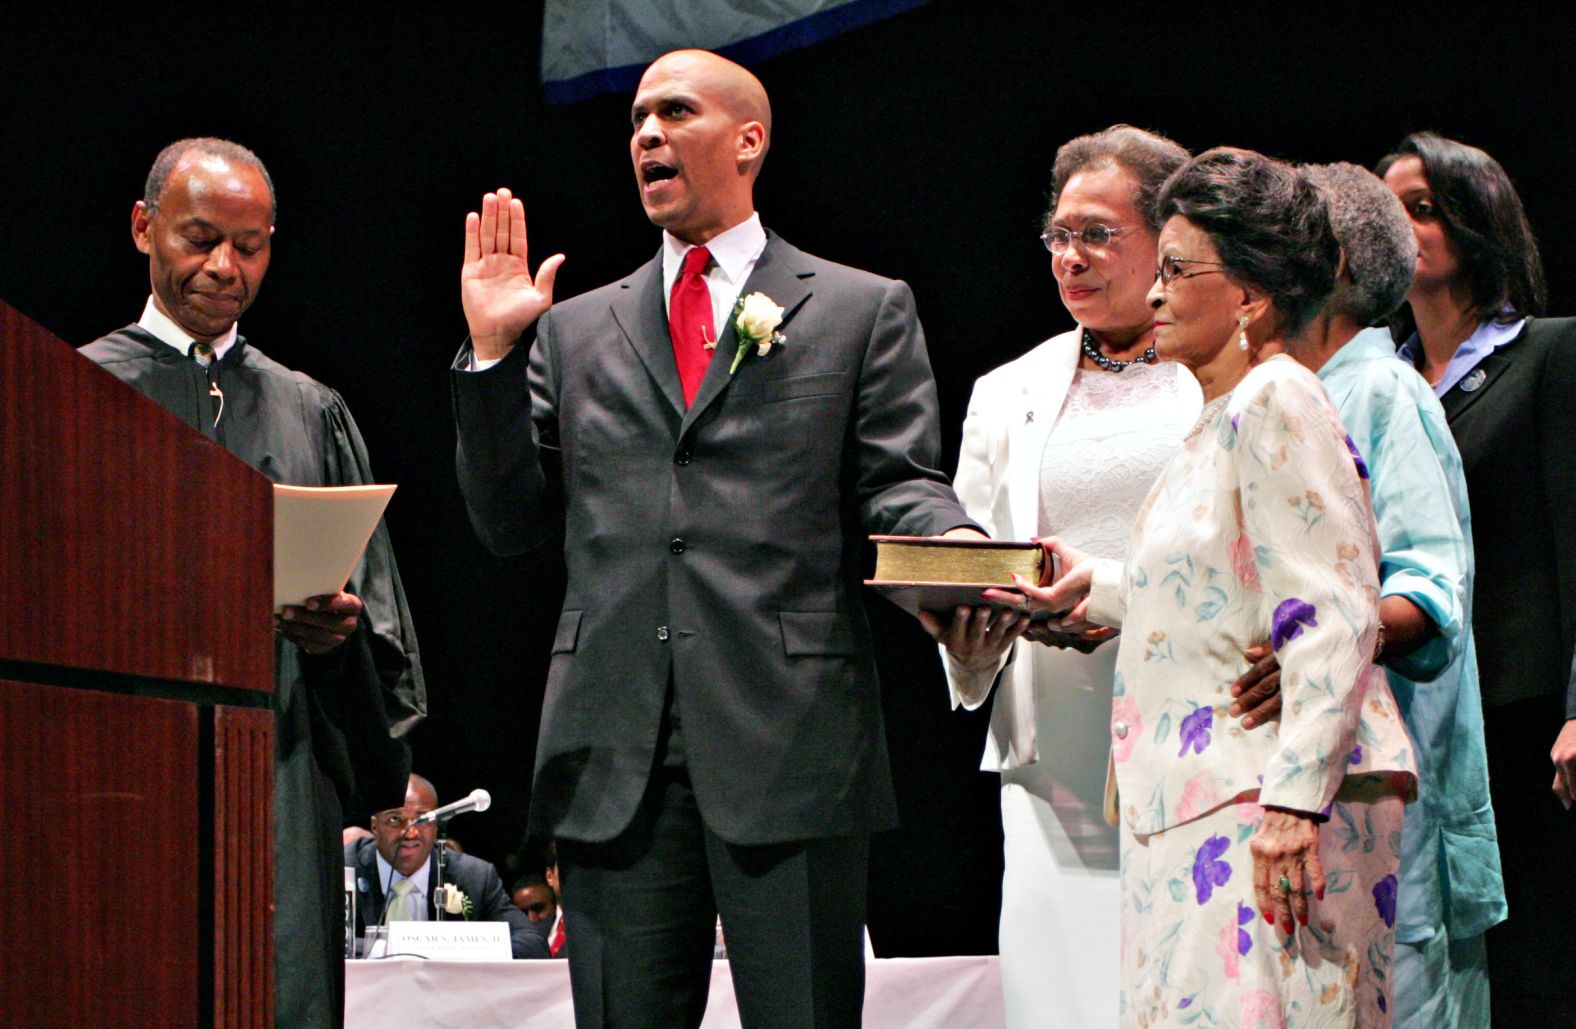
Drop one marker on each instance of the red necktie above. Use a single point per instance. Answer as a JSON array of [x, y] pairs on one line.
[[557, 943], [690, 322]]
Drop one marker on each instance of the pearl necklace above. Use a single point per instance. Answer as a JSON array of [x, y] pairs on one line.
[[1092, 352]]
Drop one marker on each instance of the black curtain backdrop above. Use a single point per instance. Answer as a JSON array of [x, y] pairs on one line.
[[918, 148]]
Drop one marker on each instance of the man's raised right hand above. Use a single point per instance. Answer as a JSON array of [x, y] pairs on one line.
[[500, 298]]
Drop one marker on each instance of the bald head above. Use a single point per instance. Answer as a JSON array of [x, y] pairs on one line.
[[423, 788], [702, 126], [734, 85]]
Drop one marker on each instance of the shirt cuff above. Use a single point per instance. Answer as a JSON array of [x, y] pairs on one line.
[[1107, 605], [970, 686], [478, 364]]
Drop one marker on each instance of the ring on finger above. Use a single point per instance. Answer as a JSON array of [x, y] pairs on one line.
[[1285, 884]]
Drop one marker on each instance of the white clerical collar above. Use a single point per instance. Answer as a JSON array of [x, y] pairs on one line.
[[733, 251], [388, 875], [154, 321]]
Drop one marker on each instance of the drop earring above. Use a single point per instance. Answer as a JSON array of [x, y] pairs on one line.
[[1242, 335]]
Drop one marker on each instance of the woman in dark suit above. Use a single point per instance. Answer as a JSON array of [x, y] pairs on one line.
[[1507, 380]]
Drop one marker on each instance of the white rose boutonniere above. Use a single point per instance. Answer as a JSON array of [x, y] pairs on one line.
[[454, 901], [755, 321]]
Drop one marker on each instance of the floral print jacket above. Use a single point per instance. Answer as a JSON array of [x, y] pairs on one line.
[[1259, 530]]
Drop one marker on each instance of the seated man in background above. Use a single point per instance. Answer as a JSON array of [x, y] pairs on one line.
[[532, 895], [398, 862]]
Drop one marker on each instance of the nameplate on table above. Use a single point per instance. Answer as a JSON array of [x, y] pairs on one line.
[[450, 941]]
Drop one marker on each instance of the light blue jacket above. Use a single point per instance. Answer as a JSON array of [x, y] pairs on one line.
[[1450, 870]]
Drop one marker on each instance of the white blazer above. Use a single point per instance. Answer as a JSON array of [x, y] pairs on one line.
[[1010, 416]]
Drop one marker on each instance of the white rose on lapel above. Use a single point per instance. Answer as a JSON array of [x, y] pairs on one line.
[[755, 321], [454, 901]]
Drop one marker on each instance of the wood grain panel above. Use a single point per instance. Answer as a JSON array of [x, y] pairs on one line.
[[128, 542], [99, 799], [243, 868]]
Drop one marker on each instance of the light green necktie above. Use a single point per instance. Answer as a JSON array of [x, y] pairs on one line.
[[400, 907]]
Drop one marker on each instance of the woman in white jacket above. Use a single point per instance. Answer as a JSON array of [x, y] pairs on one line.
[[1067, 439]]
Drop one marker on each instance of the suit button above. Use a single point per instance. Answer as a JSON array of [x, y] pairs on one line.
[[1119, 727], [662, 633], [677, 545], [682, 457]]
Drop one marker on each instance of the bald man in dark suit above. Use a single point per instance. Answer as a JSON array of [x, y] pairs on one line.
[[714, 435]]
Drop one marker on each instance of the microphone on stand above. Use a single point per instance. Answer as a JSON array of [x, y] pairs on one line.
[[479, 800]]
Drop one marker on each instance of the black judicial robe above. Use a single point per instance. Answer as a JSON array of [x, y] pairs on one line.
[[341, 718]]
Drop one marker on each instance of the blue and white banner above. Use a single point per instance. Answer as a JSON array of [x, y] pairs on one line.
[[601, 46]]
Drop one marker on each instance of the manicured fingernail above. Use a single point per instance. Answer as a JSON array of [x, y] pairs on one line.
[[1302, 919], [1286, 927], [1269, 916], [1319, 893], [1247, 723], [1235, 709]]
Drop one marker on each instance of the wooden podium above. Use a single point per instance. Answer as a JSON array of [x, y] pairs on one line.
[[136, 737]]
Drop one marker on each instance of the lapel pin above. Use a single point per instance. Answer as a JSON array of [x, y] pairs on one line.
[[1028, 419], [1474, 380]]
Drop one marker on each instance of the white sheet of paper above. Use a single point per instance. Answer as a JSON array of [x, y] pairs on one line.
[[320, 533], [456, 940]]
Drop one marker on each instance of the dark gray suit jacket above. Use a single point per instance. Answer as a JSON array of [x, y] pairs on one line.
[[479, 880], [719, 547], [1517, 435]]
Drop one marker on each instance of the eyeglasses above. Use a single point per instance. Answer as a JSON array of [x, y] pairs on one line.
[[398, 820], [1171, 269], [1095, 236]]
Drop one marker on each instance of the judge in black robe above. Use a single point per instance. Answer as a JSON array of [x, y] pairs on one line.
[[341, 716], [348, 683]]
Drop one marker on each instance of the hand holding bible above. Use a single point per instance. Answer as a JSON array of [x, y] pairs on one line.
[[977, 637], [1067, 597]]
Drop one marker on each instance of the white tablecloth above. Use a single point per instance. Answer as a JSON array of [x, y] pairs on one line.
[[900, 993]]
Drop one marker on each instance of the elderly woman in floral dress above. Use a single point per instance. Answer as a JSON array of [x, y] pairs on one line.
[[1258, 869], [1451, 889]]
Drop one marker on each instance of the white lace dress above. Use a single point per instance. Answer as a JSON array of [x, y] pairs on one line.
[[1059, 926]]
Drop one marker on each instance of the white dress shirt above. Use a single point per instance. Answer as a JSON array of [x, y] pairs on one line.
[[154, 321], [733, 256]]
